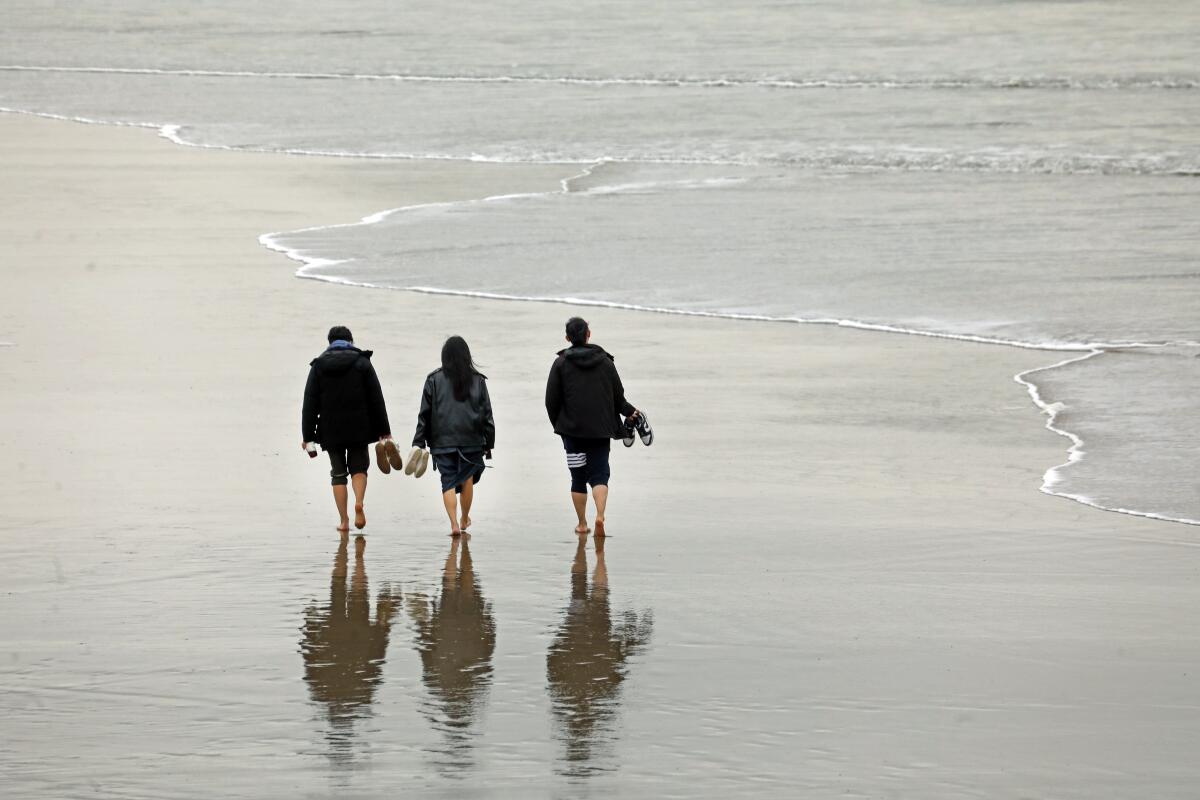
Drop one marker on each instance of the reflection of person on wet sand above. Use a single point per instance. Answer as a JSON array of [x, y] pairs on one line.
[[343, 650], [456, 635], [587, 660]]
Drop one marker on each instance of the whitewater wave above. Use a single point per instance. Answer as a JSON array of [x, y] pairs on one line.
[[850, 159], [1075, 452], [1050, 82]]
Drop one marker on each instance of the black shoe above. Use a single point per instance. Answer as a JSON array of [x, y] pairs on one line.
[[629, 432], [644, 430]]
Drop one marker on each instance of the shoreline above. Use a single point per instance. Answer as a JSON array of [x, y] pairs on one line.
[[1051, 476]]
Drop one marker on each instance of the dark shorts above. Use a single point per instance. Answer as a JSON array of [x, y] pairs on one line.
[[458, 467], [587, 459], [345, 461]]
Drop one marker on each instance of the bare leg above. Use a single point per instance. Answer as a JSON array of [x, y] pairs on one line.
[[466, 570], [359, 479], [448, 500], [579, 499], [468, 494], [450, 569], [600, 495], [579, 565], [339, 498]]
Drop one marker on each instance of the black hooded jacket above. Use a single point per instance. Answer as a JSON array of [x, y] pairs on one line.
[[343, 402], [584, 394]]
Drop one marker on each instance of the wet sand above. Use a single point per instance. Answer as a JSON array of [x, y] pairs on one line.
[[832, 574]]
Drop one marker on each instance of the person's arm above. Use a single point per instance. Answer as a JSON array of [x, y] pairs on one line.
[[376, 407], [312, 406], [489, 424], [619, 401], [424, 415], [554, 394]]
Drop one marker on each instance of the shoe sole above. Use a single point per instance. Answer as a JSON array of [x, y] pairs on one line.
[[381, 459], [393, 455]]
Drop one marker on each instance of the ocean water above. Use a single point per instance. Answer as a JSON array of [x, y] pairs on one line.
[[1021, 172]]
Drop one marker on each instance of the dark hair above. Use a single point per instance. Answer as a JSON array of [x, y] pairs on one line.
[[340, 332], [577, 330], [458, 366]]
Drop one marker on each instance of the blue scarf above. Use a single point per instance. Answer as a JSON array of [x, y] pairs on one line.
[[340, 344]]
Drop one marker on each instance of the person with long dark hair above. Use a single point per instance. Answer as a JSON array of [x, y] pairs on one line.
[[455, 423]]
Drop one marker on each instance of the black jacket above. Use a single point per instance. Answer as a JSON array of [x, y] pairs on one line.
[[445, 424], [343, 402], [584, 394]]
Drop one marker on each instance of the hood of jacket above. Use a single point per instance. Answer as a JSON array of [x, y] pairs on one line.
[[339, 359], [586, 356]]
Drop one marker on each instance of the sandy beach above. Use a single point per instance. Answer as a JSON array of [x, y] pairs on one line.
[[832, 574]]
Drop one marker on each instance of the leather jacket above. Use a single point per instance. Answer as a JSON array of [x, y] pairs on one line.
[[446, 424]]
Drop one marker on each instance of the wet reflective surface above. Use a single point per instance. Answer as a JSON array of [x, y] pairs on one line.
[[525, 663], [588, 662], [455, 637], [345, 648]]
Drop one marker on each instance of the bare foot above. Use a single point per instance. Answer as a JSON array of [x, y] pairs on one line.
[[599, 528], [455, 532], [466, 523], [582, 529], [360, 544], [344, 525], [360, 519]]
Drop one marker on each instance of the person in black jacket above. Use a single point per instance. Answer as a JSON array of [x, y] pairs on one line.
[[584, 399], [455, 422], [344, 412]]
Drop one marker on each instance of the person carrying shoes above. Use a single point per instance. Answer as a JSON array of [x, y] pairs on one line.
[[344, 412], [584, 399], [455, 422]]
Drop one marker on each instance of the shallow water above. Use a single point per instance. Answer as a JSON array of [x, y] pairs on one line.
[[261, 663]]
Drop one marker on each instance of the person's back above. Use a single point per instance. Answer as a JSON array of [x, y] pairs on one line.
[[344, 411], [455, 423], [584, 394], [447, 423], [584, 400], [348, 410]]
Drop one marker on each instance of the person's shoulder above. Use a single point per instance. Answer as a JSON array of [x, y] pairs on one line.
[[604, 352], [433, 374]]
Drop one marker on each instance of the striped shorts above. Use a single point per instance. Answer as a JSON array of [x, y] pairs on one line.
[[587, 467]]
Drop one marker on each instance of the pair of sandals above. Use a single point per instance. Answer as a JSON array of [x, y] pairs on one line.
[[387, 456]]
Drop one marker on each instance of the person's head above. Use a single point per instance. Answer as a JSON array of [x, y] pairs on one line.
[[577, 331], [340, 332], [458, 366]]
